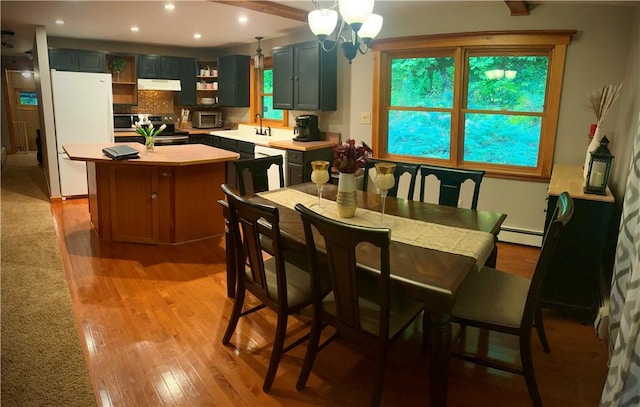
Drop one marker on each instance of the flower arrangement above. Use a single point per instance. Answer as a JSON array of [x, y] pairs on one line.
[[349, 158], [145, 128]]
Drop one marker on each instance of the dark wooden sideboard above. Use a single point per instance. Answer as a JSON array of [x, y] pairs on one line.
[[573, 281]]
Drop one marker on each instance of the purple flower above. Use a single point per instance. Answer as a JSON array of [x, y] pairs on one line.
[[349, 158]]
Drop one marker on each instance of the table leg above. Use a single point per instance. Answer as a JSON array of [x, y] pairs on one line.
[[439, 335]]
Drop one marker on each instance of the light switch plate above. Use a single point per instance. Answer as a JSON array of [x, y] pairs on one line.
[[365, 118]]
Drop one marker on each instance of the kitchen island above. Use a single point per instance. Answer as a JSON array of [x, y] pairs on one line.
[[166, 196]]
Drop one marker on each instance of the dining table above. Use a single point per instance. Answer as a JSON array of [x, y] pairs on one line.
[[433, 249]]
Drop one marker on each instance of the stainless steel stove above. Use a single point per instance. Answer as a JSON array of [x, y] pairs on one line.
[[169, 135]]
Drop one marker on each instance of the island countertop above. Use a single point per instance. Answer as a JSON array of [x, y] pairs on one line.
[[171, 155]]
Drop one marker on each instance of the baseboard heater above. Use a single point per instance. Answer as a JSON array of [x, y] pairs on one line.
[[520, 236]]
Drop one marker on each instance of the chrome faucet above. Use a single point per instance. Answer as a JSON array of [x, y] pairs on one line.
[[262, 132]]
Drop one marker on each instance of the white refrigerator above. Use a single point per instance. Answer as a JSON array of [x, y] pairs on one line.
[[83, 113]]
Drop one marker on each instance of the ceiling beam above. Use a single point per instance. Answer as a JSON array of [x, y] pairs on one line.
[[518, 8], [268, 7]]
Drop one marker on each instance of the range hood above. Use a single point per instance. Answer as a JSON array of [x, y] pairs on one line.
[[159, 84]]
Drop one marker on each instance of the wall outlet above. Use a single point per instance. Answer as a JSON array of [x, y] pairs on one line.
[[365, 117]]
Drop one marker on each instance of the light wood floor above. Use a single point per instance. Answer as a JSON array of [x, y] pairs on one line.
[[152, 318]]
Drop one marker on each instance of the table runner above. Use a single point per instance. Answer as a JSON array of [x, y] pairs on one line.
[[466, 242]]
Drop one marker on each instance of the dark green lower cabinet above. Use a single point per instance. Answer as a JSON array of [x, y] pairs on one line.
[[299, 164]]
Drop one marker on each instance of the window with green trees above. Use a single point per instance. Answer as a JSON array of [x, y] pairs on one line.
[[262, 96], [484, 102], [268, 112]]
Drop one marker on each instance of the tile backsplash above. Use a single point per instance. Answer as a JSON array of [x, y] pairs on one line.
[[153, 101]]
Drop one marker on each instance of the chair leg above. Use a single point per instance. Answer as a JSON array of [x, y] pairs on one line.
[[310, 355], [540, 329], [425, 332], [235, 315], [527, 368], [379, 378], [231, 263], [276, 353]]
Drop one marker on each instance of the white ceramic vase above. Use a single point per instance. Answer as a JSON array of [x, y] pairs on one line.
[[347, 197]]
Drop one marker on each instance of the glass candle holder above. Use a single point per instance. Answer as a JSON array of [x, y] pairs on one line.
[[384, 181]]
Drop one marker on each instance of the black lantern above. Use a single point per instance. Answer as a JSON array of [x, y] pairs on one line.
[[599, 169]]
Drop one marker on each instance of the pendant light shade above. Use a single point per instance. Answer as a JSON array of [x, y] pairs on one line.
[[323, 22], [258, 58], [370, 28], [355, 12]]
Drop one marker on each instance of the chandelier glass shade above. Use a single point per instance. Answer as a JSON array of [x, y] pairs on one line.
[[357, 15]]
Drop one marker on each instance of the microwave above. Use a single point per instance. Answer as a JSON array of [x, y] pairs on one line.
[[124, 122], [206, 120]]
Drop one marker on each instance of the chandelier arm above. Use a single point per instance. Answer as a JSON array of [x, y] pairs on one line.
[[317, 4]]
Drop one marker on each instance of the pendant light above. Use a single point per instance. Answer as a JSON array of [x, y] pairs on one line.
[[258, 58]]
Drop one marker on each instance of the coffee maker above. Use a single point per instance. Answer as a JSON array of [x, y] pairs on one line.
[[306, 128]]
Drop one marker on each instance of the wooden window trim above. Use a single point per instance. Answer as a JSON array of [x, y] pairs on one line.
[[555, 41], [256, 86]]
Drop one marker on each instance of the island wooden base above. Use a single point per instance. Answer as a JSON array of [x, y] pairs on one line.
[[155, 203]]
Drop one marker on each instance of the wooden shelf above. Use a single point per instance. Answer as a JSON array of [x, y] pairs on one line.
[[124, 86]]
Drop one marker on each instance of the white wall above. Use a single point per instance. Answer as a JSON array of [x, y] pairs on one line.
[[47, 123]]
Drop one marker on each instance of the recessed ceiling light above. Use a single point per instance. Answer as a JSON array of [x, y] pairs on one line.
[[59, 22], [26, 74], [169, 6], [243, 19], [135, 29], [197, 36]]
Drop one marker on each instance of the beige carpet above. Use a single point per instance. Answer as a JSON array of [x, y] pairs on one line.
[[42, 363]]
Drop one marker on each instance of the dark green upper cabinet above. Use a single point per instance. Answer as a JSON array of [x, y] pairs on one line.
[[305, 77], [158, 67], [233, 80], [188, 72], [77, 60], [148, 67], [170, 68]]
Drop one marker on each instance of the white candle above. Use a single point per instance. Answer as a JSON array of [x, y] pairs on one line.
[[597, 179], [384, 181], [319, 177]]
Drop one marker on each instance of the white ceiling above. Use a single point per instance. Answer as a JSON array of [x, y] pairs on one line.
[[111, 21], [217, 23]]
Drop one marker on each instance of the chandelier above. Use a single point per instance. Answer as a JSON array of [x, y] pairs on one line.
[[357, 14]]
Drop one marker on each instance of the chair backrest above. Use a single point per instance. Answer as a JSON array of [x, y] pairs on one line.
[[340, 242], [258, 173], [561, 216], [249, 221], [401, 168], [451, 180]]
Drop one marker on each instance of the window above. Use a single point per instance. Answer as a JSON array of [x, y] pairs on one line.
[[26, 99], [262, 96], [484, 101]]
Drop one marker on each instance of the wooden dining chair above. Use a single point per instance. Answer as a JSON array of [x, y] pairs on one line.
[[451, 180], [401, 169], [359, 303], [279, 285], [258, 169], [500, 301]]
